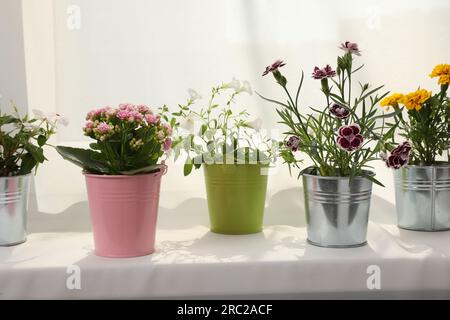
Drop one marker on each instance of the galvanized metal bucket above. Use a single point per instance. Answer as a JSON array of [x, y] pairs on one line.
[[337, 210], [13, 209], [422, 195]]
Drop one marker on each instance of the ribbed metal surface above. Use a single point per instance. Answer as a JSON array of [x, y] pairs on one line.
[[13, 209], [337, 210], [422, 196], [344, 197]]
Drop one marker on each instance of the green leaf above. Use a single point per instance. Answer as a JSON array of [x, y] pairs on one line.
[[371, 178], [42, 140], [273, 101], [27, 164], [84, 158], [203, 129], [7, 119], [36, 152], [370, 93], [94, 146], [359, 68], [198, 162], [147, 169], [188, 166], [299, 88], [336, 98]]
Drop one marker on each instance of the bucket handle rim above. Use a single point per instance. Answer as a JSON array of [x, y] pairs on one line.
[[164, 169]]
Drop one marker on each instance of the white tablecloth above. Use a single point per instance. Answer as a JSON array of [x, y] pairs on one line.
[[192, 262]]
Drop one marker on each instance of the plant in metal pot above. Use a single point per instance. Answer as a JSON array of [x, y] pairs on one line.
[[235, 155], [123, 171], [340, 139], [422, 159], [22, 142]]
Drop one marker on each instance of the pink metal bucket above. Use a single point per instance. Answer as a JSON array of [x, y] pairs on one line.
[[124, 211]]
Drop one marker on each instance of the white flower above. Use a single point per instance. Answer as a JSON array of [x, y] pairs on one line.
[[57, 119], [255, 124], [38, 114], [26, 127], [234, 84], [246, 87], [29, 127], [53, 118], [188, 123], [194, 95]]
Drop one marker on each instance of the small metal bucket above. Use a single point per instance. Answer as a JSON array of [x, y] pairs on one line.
[[337, 210], [13, 209], [422, 195], [236, 196]]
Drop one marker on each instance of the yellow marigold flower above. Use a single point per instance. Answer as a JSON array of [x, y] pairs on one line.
[[444, 79], [415, 100], [392, 101], [439, 70]]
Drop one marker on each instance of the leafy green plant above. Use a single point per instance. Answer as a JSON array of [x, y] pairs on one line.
[[224, 133], [345, 136], [22, 141], [130, 140]]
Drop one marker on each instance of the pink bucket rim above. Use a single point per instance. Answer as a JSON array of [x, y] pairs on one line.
[[162, 167]]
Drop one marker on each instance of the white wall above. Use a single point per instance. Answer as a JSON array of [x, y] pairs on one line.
[[12, 61], [151, 51]]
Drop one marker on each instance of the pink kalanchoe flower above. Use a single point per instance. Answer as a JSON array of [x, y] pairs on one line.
[[349, 138], [123, 114], [399, 156], [350, 47], [151, 118], [168, 128], [89, 124], [143, 108], [326, 72], [339, 111], [125, 106], [99, 112], [110, 112], [161, 135], [274, 67], [135, 116], [90, 115], [293, 143], [104, 128], [167, 144]]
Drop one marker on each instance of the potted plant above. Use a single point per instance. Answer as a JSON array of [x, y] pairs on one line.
[[422, 178], [22, 141], [341, 140], [123, 176], [234, 154]]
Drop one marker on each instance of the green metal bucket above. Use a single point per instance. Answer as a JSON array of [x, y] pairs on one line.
[[236, 196]]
